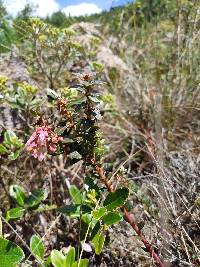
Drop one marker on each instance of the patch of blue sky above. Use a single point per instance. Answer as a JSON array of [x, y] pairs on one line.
[[103, 4]]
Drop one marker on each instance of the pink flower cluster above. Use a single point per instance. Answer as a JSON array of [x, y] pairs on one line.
[[43, 141]]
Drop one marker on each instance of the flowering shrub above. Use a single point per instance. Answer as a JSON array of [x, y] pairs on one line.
[[74, 132], [67, 123]]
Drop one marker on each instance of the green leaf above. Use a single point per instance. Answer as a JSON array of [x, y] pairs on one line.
[[57, 258], [83, 263], [52, 94], [70, 257], [15, 213], [37, 246], [9, 137], [95, 229], [3, 149], [1, 228], [97, 214], [94, 99], [98, 242], [14, 155], [75, 194], [112, 218], [48, 261], [79, 101], [116, 199], [70, 210], [36, 103], [86, 209], [90, 184], [21, 92], [87, 218], [17, 192], [83, 230], [10, 254], [35, 198]]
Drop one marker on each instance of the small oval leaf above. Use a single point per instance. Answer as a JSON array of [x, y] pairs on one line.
[[112, 218], [75, 194], [97, 214], [10, 254], [98, 242], [15, 213], [57, 258], [116, 199], [70, 257], [35, 198], [37, 246], [17, 192]]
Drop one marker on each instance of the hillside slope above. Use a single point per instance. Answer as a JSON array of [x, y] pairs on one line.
[[145, 56]]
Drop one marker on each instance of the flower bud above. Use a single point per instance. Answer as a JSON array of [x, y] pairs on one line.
[[60, 139], [55, 139], [52, 148]]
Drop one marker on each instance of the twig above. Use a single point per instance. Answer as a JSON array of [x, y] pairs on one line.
[[128, 217]]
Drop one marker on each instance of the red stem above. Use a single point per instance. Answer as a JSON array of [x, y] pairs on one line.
[[129, 218]]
